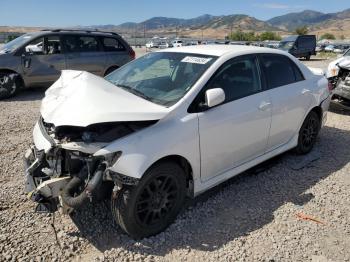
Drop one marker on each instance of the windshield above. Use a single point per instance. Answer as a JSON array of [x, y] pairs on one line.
[[286, 45], [15, 43], [162, 78]]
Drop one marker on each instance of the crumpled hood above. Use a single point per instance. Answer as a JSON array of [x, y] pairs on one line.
[[345, 63], [333, 69], [80, 99]]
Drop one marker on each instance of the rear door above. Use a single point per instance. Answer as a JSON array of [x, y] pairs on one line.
[[289, 95], [85, 53], [43, 60], [116, 52]]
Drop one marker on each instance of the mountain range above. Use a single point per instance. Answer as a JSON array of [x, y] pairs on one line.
[[287, 22], [219, 26]]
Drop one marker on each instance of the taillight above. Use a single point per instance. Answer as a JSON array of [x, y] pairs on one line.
[[330, 86], [132, 54]]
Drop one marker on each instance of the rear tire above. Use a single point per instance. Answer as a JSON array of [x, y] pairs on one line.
[[151, 206], [308, 133], [9, 85], [308, 57]]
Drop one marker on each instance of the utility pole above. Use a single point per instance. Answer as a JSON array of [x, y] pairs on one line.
[[144, 33], [135, 35]]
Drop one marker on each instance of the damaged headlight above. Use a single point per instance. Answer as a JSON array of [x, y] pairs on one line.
[[112, 158]]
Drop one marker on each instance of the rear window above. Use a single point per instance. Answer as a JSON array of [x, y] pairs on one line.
[[81, 44], [111, 44], [280, 70]]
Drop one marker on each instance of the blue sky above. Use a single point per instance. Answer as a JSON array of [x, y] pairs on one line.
[[88, 12]]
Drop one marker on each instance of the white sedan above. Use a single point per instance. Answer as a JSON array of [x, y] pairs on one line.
[[170, 124]]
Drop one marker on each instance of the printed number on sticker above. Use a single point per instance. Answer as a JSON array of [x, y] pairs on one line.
[[196, 60]]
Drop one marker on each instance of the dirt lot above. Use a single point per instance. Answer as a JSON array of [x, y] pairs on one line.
[[253, 217]]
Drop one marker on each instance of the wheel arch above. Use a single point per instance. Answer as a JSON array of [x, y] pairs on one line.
[[184, 164], [114, 67], [318, 110]]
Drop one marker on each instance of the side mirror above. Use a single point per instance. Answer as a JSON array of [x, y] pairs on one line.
[[214, 97]]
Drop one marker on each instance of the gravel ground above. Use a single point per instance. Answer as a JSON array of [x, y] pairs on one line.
[[252, 217]]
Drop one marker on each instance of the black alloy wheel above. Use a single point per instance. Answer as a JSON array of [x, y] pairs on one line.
[[308, 133], [151, 206], [156, 201]]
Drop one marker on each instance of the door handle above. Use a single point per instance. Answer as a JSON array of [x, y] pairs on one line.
[[264, 105], [305, 91]]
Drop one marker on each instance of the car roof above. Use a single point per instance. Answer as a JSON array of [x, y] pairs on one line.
[[74, 32], [220, 50]]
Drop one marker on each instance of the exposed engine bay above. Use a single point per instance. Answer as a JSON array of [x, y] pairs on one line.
[[67, 178]]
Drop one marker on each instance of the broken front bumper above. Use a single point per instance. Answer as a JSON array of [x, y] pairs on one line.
[[35, 154], [32, 161], [343, 89]]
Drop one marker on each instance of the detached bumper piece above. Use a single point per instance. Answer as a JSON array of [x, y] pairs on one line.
[[40, 188]]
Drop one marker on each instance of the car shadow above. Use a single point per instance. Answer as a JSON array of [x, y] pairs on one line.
[[233, 209], [338, 108], [28, 94]]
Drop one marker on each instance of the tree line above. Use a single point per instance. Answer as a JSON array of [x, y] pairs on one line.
[[239, 35]]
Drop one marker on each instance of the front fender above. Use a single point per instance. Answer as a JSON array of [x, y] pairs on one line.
[[143, 148]]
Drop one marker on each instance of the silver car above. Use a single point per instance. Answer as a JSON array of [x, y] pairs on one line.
[[36, 59]]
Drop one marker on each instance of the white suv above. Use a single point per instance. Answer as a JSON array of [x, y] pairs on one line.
[[168, 125]]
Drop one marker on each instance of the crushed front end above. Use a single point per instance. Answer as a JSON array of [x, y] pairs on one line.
[[61, 169], [342, 86]]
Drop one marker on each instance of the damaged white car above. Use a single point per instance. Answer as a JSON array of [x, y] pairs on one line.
[[170, 124]]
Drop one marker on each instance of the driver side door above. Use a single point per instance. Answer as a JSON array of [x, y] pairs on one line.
[[236, 131]]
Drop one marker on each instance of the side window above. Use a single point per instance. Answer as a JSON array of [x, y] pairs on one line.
[[81, 44], [238, 78], [297, 73], [111, 44], [88, 44], [35, 47], [53, 45], [279, 70]]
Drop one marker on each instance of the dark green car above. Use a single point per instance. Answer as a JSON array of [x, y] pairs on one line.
[[36, 59]]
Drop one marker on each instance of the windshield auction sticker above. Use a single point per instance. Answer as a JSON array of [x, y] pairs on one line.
[[196, 60]]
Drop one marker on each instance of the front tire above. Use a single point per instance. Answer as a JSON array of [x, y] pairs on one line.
[[9, 85], [308, 133], [151, 206]]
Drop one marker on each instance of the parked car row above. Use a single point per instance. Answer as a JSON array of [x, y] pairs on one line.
[[164, 44], [339, 49]]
